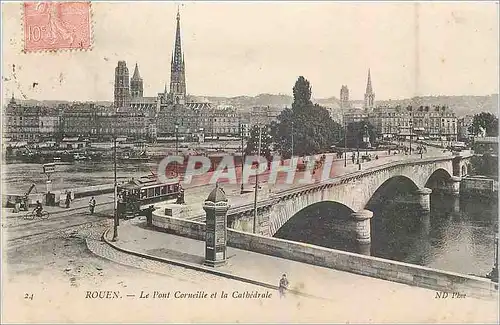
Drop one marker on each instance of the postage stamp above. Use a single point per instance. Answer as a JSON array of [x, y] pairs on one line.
[[53, 26]]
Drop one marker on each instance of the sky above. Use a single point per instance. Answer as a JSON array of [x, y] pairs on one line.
[[248, 48]]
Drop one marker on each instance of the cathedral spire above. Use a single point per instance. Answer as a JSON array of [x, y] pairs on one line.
[[177, 59], [177, 92]]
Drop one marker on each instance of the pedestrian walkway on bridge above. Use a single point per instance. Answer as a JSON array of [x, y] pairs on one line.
[[372, 296]]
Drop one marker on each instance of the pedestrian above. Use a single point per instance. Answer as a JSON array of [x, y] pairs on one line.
[[92, 205], [352, 158], [283, 287], [68, 199]]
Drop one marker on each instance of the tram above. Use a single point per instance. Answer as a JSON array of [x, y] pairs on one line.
[[146, 190]]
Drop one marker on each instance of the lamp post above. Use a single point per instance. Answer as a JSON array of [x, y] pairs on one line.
[[411, 131], [357, 150], [345, 143], [256, 184], [115, 223], [176, 147], [398, 137], [493, 275], [366, 139], [242, 157], [292, 137]]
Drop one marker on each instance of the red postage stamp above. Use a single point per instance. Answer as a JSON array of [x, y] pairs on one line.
[[53, 26]]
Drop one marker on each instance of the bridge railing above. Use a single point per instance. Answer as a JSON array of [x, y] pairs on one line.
[[334, 180], [340, 178]]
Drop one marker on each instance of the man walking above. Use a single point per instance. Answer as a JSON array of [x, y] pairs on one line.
[[92, 205], [283, 286], [68, 199]]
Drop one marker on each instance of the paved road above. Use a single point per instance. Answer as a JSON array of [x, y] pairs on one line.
[[194, 196]]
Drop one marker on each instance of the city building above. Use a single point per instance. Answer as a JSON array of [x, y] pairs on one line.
[[263, 115], [435, 123], [30, 123], [369, 94], [464, 123], [354, 115]]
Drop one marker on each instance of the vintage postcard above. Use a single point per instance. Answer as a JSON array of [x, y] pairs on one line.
[[249, 162]]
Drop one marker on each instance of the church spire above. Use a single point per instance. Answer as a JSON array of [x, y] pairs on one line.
[[136, 75], [369, 94], [136, 84], [369, 89]]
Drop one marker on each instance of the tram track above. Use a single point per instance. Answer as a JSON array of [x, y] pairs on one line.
[[53, 225], [62, 232]]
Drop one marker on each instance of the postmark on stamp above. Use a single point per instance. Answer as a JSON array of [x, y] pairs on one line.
[[54, 26]]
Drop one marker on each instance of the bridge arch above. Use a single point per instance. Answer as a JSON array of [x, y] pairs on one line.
[[391, 189], [358, 191], [326, 223], [438, 179]]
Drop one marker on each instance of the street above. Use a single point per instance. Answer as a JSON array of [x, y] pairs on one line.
[[48, 280]]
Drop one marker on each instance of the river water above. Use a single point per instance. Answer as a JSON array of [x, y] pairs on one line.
[[457, 235], [19, 176]]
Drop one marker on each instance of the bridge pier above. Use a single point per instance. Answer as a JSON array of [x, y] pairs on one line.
[[424, 198], [425, 223], [363, 229], [364, 249], [454, 186], [456, 204]]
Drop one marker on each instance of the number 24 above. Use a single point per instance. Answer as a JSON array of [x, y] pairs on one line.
[[28, 296]]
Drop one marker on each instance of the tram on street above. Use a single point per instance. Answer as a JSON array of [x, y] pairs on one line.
[[134, 195]]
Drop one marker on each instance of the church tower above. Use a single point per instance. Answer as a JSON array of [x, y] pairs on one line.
[[177, 71], [122, 88], [369, 94], [136, 84], [344, 97]]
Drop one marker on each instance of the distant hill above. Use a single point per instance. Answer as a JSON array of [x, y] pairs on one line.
[[282, 101], [246, 102], [462, 105], [54, 103], [331, 102]]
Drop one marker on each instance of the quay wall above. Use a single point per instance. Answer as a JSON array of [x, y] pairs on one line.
[[479, 186], [9, 199], [344, 261]]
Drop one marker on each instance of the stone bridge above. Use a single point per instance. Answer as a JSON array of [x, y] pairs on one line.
[[354, 191]]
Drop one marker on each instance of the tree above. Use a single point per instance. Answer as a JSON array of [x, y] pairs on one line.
[[309, 125], [252, 147], [301, 93], [356, 132], [486, 121]]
